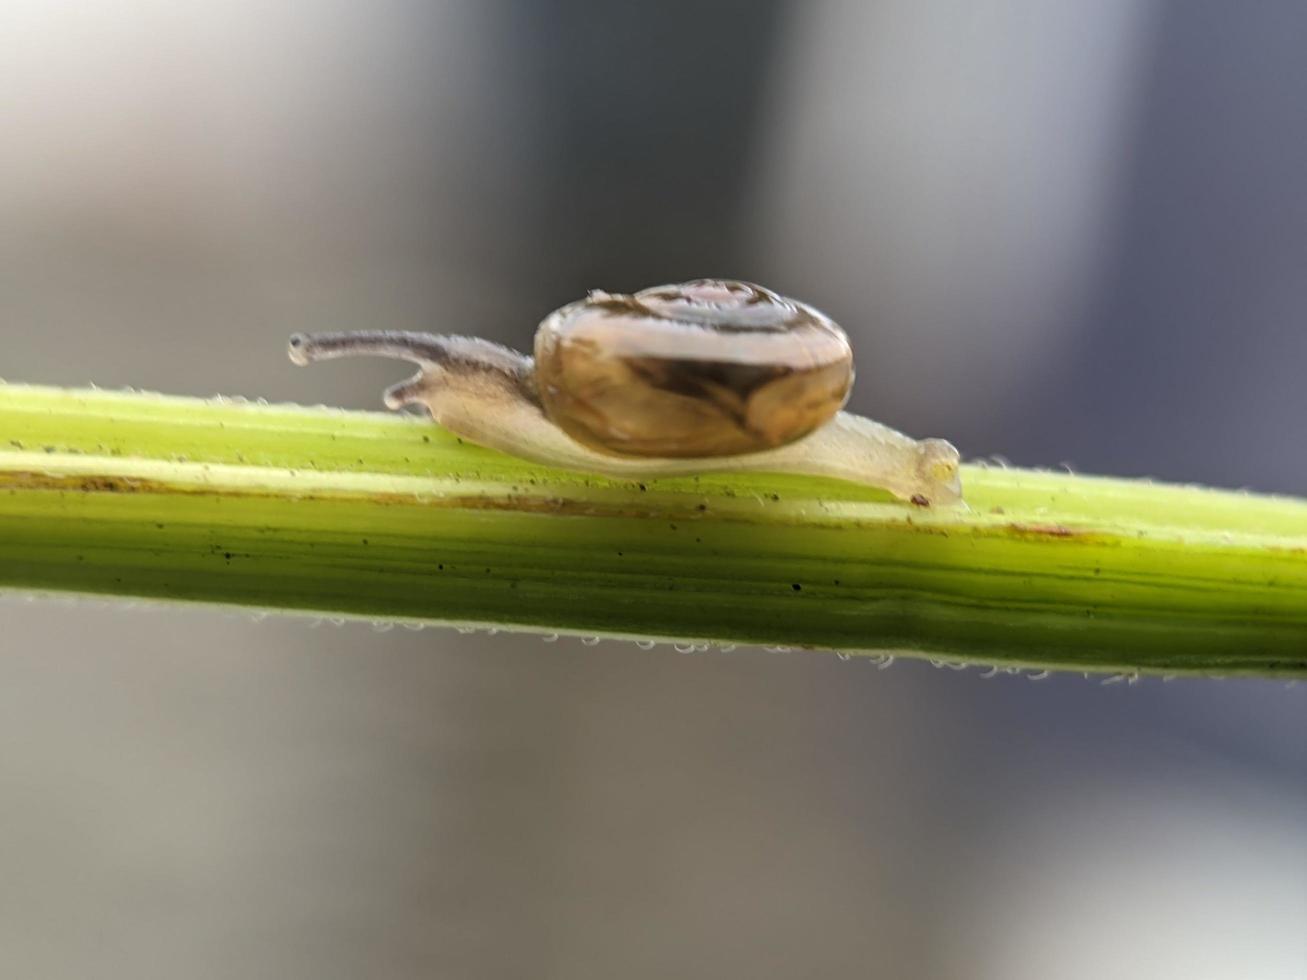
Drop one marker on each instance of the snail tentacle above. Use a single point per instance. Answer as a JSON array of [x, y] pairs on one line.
[[409, 392], [421, 348], [445, 360]]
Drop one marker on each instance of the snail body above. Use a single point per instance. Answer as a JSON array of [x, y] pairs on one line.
[[706, 376]]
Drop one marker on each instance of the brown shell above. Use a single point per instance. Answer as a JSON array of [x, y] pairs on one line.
[[705, 368]]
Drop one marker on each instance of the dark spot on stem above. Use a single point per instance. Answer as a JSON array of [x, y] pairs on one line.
[[1045, 530]]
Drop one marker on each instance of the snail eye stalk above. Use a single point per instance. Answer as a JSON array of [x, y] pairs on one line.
[[421, 348]]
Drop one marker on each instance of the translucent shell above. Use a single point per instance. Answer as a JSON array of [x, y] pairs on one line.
[[704, 368]]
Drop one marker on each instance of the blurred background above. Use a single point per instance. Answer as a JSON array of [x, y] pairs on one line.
[[1060, 232]]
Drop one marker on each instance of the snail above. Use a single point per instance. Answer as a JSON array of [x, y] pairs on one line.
[[707, 375]]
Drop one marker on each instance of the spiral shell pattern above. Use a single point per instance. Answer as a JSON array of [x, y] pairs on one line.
[[709, 367]]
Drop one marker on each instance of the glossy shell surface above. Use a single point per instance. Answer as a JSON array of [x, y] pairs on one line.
[[703, 368]]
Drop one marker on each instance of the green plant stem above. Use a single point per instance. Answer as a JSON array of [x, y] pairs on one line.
[[392, 518]]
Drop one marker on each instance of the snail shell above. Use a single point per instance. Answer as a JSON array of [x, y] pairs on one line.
[[700, 369]]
